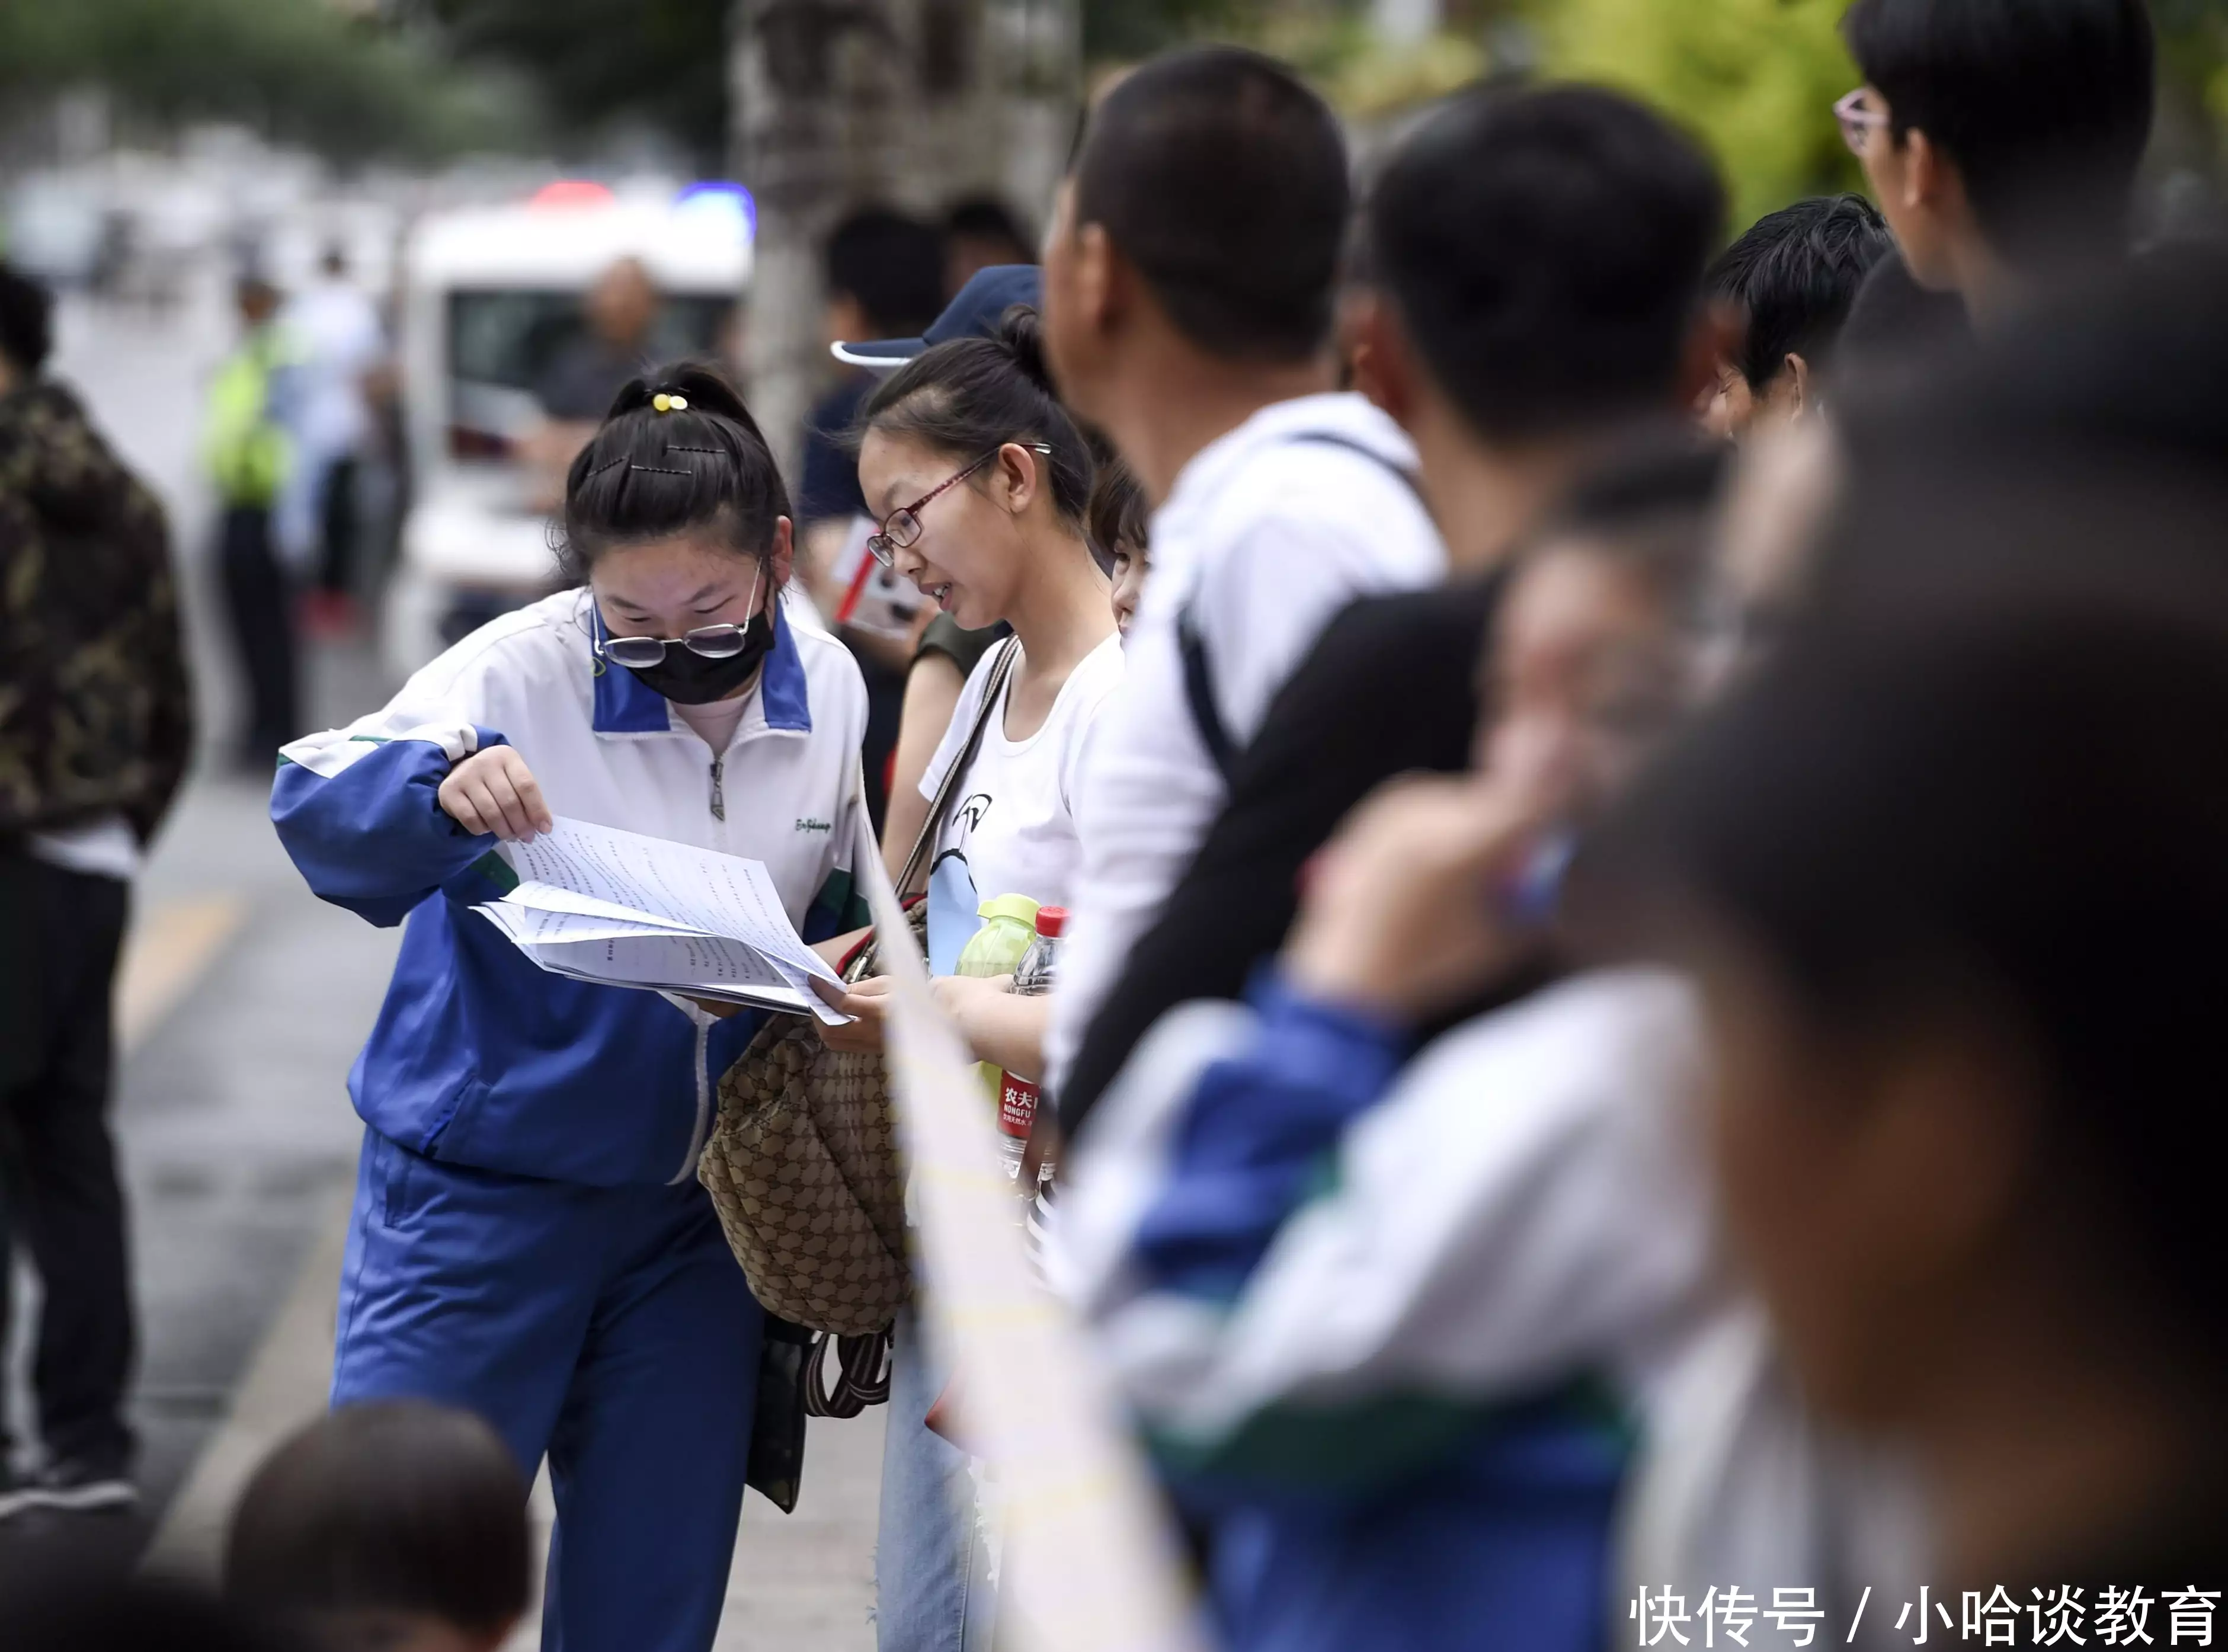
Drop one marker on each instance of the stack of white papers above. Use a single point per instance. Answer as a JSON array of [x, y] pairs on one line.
[[624, 910]]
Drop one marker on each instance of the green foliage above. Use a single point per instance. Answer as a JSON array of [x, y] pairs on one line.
[[301, 70], [663, 63], [1755, 79], [1125, 30]]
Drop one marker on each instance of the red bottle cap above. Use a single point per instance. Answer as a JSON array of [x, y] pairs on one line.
[[1051, 920]]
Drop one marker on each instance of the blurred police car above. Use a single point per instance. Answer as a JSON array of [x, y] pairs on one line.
[[491, 304]]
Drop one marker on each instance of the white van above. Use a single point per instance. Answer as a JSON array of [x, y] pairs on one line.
[[489, 297]]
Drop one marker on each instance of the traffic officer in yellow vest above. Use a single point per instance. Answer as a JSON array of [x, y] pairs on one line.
[[246, 448]]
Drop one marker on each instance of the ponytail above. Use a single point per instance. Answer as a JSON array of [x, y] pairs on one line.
[[967, 397], [699, 463]]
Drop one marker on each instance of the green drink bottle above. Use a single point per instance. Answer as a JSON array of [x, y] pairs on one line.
[[996, 949]]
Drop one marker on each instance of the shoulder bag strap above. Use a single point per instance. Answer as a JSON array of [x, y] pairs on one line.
[[994, 689], [1198, 695], [1199, 670]]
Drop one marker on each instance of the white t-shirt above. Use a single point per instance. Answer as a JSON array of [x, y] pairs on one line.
[[336, 329], [1268, 532], [1011, 827]]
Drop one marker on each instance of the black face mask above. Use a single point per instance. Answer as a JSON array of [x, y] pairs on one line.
[[687, 678]]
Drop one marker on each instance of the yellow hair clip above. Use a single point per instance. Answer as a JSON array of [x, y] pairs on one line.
[[665, 403]]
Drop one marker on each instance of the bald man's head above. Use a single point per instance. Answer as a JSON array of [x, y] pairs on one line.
[[623, 303]]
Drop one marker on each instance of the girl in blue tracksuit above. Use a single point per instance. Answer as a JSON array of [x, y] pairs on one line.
[[529, 1240]]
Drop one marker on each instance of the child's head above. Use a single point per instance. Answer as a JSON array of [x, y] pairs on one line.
[[974, 470], [1118, 524], [1792, 277], [677, 517], [397, 1524], [1595, 652]]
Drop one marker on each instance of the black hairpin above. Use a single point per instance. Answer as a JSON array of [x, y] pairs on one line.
[[716, 452], [662, 470], [600, 469]]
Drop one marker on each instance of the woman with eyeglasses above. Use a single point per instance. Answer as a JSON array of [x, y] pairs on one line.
[[981, 482], [529, 1241]]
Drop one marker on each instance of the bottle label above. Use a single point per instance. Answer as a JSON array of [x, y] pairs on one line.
[[1017, 1106]]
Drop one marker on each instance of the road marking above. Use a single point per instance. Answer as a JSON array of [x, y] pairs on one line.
[[170, 948]]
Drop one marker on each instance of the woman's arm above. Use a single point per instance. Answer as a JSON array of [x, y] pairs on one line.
[[1000, 1028], [362, 814], [932, 689]]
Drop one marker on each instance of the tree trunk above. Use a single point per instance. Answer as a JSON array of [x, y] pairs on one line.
[[840, 104]]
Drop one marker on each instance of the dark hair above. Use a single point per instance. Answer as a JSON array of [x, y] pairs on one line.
[[967, 397], [1118, 515], [2044, 106], [2126, 368], [985, 218], [1794, 274], [1650, 506], [101, 1612], [27, 313], [1223, 180], [647, 474], [892, 265], [1545, 251], [1896, 328], [396, 1506]]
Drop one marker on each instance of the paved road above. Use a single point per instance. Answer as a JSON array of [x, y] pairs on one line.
[[245, 1002]]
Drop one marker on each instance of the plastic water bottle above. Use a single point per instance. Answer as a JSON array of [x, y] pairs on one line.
[[1017, 1097], [1007, 932]]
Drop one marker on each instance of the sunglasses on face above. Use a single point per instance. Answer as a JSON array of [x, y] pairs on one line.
[[710, 642]]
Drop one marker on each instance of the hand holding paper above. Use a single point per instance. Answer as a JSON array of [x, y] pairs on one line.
[[624, 910]]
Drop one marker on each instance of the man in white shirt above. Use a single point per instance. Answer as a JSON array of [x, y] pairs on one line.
[[1190, 284], [335, 325]]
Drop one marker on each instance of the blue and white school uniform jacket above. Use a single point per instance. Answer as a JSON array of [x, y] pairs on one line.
[[479, 1056], [1442, 1346]]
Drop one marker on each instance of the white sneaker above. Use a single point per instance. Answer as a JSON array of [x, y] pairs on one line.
[[72, 1487]]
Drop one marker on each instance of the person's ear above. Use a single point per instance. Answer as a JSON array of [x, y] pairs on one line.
[[1797, 371], [1948, 1146], [1716, 335], [1100, 280], [1927, 173], [1020, 473], [1378, 353], [781, 560]]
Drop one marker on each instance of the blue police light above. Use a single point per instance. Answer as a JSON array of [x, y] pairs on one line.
[[718, 201]]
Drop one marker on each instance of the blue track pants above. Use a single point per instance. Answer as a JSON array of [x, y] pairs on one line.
[[607, 1327]]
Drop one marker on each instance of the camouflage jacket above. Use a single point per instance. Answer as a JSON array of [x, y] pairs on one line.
[[96, 712]]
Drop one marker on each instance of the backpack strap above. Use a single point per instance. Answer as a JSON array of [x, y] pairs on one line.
[[1199, 694], [994, 690], [1191, 646]]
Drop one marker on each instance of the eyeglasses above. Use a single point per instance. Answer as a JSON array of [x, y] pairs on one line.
[[713, 642], [901, 527], [710, 642], [1857, 117]]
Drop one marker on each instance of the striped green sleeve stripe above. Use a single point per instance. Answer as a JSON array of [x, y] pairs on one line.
[[1381, 1439]]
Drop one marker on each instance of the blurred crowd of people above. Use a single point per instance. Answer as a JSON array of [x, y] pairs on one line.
[[1626, 819]]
